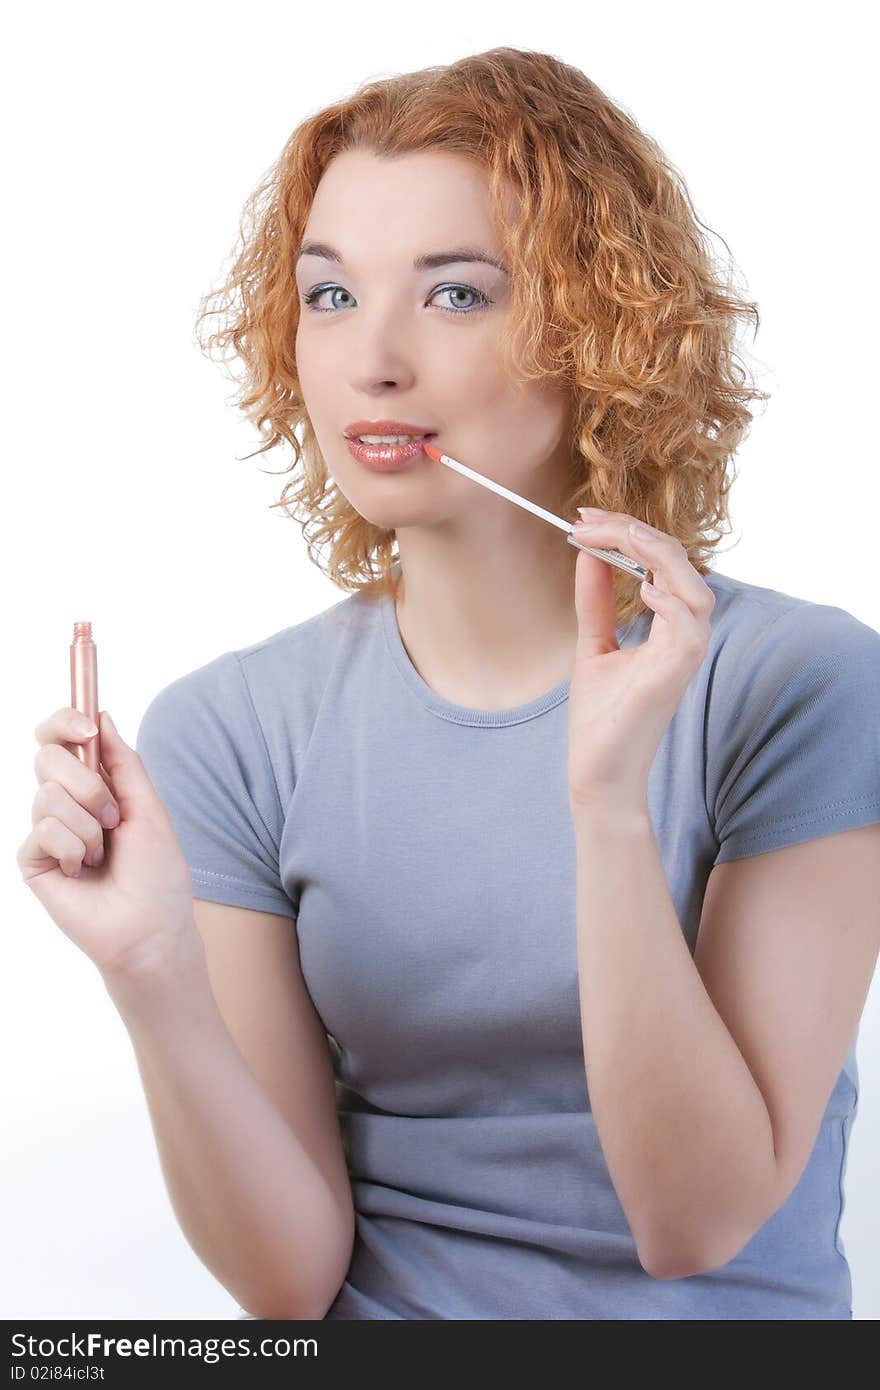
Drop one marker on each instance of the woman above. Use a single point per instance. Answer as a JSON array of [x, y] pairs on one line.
[[559, 848]]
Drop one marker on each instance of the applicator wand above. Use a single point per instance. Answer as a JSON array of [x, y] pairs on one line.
[[613, 557]]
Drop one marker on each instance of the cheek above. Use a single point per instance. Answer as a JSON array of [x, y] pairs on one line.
[[315, 369], [525, 439]]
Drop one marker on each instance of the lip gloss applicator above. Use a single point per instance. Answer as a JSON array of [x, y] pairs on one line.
[[84, 691], [613, 557]]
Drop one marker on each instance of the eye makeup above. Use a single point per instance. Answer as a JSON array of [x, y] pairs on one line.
[[483, 300]]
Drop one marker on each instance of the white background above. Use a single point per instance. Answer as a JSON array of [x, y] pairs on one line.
[[133, 136]]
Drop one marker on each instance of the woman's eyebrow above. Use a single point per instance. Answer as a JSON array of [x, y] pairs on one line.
[[427, 262]]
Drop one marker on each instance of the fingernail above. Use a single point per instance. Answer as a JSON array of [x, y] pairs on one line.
[[591, 511], [109, 816], [85, 726]]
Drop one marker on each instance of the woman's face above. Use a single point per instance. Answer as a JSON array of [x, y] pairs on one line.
[[385, 340]]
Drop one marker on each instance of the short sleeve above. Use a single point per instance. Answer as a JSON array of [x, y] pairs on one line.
[[793, 737], [203, 748]]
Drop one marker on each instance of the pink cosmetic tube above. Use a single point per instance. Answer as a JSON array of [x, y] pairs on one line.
[[84, 690]]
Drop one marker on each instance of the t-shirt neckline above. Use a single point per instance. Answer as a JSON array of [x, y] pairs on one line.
[[464, 714]]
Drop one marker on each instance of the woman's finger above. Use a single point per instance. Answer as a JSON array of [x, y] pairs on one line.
[[661, 553]]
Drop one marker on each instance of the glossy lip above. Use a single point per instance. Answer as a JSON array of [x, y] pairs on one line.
[[385, 427], [385, 458]]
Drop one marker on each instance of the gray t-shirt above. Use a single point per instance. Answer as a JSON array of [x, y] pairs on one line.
[[425, 852]]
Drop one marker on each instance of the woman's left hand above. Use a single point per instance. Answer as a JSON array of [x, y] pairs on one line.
[[621, 702]]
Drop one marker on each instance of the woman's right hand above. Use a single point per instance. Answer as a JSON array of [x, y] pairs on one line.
[[128, 911]]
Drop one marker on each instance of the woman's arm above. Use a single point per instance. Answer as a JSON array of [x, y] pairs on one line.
[[684, 1128], [251, 1202]]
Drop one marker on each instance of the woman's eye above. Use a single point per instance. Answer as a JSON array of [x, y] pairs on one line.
[[483, 299]]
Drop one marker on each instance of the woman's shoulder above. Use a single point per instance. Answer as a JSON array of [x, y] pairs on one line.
[[301, 652], [288, 669], [750, 618], [792, 709], [331, 628]]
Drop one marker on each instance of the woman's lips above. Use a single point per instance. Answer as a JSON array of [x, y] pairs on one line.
[[385, 458]]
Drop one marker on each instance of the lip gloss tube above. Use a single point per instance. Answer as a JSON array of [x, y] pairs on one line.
[[84, 690]]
